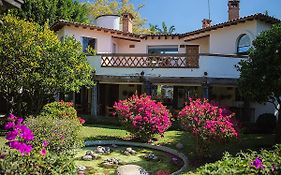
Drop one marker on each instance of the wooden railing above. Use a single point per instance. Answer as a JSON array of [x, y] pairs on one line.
[[150, 60]]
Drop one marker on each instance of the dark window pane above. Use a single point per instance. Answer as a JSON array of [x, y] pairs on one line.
[[88, 42], [162, 49]]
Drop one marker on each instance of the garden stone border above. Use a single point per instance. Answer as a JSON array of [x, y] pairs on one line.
[[144, 145]]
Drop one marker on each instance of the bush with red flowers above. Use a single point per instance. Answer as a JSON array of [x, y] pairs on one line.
[[208, 123], [142, 116]]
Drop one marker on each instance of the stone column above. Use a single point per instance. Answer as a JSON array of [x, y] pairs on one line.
[[94, 102]]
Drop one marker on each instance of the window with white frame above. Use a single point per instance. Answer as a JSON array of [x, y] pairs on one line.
[[243, 44]]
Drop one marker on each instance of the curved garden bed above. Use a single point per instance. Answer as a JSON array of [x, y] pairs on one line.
[[166, 154]]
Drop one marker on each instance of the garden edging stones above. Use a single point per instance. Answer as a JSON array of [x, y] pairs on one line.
[[144, 145]]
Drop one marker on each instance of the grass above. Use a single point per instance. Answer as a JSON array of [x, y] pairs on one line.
[[171, 138]]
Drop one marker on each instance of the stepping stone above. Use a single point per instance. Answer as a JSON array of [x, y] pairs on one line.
[[130, 170]]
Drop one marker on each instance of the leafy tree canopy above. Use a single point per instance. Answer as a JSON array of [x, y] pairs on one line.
[[261, 74], [35, 65], [42, 11], [117, 7]]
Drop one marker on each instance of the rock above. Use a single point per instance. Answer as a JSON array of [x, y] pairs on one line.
[[100, 150], [90, 153], [133, 152], [87, 158], [107, 150], [151, 156], [95, 156], [129, 149], [111, 162], [179, 146], [81, 168], [131, 170], [127, 153]]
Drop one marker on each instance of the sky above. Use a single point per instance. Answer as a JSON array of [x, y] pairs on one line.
[[186, 15]]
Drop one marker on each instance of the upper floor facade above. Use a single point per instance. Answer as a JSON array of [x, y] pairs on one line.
[[213, 50]]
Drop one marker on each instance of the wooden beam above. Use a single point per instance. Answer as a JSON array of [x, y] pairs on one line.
[[195, 38], [128, 39]]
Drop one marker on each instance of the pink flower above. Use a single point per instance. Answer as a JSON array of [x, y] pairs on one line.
[[81, 120], [43, 152], [257, 163], [9, 125], [12, 135], [45, 143]]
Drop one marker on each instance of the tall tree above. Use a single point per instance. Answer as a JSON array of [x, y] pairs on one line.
[[35, 65], [165, 29], [117, 7], [42, 11], [261, 74]]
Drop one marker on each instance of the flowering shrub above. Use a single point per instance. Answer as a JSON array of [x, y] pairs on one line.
[[27, 157], [265, 162], [59, 110], [62, 134], [208, 123], [142, 116]]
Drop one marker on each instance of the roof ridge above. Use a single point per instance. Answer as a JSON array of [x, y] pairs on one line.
[[257, 16]]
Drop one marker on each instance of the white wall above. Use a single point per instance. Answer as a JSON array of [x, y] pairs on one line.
[[224, 40], [262, 26], [104, 40], [141, 47]]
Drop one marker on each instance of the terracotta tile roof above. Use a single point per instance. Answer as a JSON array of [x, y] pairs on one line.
[[61, 23], [258, 16]]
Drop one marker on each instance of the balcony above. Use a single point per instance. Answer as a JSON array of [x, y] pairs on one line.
[[149, 61], [166, 65]]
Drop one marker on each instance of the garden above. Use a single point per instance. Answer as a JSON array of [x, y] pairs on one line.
[[57, 141]]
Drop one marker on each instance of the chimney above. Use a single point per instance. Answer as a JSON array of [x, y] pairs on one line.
[[127, 22], [233, 9], [206, 23]]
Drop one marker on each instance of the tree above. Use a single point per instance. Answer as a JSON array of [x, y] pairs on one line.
[[35, 65], [42, 11], [261, 74], [153, 29], [105, 7], [165, 29]]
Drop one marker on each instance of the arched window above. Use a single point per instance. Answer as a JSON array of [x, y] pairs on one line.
[[243, 44]]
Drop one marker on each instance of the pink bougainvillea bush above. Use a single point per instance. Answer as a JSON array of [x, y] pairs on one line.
[[142, 116], [208, 123]]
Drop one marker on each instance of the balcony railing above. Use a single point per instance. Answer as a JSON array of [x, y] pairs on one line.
[[150, 60]]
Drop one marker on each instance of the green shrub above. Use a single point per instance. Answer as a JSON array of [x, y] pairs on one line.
[[62, 134], [253, 163], [266, 123], [60, 110], [13, 163]]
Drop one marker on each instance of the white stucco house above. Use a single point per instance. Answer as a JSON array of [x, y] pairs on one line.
[[172, 67]]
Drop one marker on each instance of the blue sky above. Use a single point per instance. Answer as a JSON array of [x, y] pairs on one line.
[[186, 15]]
